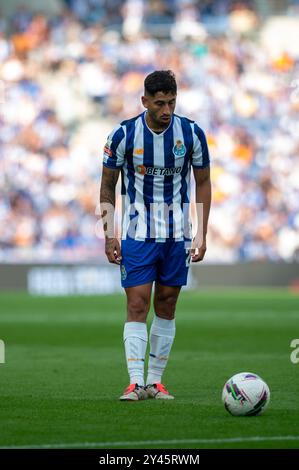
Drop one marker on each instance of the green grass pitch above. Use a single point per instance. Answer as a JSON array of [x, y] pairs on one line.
[[65, 369]]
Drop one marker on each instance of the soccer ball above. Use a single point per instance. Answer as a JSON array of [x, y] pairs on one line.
[[245, 394]]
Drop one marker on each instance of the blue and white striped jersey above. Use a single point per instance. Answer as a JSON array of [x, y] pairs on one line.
[[155, 172]]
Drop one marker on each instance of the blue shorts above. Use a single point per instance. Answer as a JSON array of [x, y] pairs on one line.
[[147, 261]]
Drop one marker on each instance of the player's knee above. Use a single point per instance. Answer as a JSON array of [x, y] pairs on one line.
[[138, 308], [165, 306]]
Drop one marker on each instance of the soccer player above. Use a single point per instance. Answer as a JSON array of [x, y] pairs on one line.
[[154, 153]]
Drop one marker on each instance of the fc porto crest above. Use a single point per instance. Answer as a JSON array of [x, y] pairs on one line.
[[179, 149]]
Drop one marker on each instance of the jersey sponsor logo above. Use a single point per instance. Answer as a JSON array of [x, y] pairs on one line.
[[179, 149], [141, 169], [156, 171], [138, 151]]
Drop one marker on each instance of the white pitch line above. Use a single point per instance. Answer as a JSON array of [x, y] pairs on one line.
[[157, 442]]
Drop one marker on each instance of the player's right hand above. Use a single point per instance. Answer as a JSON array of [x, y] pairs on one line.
[[112, 250]]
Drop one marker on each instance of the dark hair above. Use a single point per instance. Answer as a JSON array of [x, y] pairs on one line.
[[160, 80]]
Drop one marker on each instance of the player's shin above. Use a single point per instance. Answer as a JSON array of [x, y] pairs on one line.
[[135, 340], [161, 338]]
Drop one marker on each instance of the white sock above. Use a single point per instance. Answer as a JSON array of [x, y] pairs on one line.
[[135, 340], [161, 338]]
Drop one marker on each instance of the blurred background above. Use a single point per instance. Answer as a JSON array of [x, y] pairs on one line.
[[70, 70]]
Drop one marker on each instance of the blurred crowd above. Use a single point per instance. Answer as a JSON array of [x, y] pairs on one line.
[[68, 78]]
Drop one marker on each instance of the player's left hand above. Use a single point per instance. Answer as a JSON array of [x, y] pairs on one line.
[[198, 250]]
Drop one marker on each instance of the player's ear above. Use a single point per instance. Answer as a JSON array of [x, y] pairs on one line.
[[144, 101]]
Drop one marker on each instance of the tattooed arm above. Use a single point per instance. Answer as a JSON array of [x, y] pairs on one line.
[[107, 201]]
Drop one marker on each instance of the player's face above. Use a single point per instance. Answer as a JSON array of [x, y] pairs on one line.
[[160, 108]]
